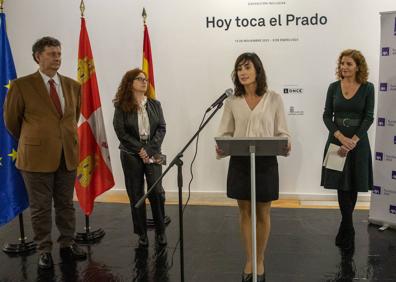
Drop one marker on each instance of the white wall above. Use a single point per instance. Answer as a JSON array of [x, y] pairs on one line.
[[193, 65]]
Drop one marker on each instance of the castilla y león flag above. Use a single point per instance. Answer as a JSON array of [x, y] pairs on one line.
[[94, 174]]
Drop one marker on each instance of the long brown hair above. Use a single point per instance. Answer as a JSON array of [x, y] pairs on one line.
[[360, 61], [124, 97], [261, 78]]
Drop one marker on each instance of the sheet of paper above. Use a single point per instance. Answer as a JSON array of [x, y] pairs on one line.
[[333, 160]]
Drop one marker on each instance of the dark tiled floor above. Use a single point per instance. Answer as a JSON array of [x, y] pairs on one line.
[[301, 248]]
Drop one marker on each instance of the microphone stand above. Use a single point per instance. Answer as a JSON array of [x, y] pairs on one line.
[[179, 163]]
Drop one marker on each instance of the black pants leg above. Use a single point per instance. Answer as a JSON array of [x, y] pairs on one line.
[[134, 172], [152, 172], [133, 168], [347, 201]]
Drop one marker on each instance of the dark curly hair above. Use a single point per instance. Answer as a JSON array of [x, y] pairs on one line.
[[261, 77], [360, 61], [43, 42], [124, 97]]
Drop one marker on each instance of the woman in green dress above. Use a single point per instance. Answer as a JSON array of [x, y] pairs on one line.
[[348, 114]]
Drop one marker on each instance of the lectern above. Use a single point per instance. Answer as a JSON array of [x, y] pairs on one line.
[[253, 146]]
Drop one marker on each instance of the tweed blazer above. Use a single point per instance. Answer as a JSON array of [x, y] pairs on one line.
[[42, 134]]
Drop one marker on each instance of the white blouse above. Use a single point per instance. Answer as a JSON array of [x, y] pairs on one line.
[[143, 121], [267, 119]]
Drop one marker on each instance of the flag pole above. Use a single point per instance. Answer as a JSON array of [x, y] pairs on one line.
[[82, 8], [144, 15], [150, 222], [88, 237], [23, 247]]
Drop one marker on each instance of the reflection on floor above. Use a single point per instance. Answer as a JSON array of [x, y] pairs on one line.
[[301, 248]]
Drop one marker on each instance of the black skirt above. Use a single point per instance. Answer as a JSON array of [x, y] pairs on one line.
[[267, 178], [358, 169]]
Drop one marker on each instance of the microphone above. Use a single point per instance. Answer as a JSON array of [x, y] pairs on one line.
[[229, 92]]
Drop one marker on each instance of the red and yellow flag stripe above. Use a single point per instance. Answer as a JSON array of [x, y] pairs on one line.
[[147, 65]]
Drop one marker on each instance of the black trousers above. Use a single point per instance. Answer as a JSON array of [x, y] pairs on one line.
[[134, 172]]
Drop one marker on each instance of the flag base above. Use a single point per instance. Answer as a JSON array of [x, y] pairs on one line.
[[20, 248], [151, 224], [90, 237]]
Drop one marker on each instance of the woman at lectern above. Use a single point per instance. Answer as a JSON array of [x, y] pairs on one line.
[[254, 111], [348, 114], [140, 126]]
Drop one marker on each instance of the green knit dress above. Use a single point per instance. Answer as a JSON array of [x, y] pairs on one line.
[[358, 173]]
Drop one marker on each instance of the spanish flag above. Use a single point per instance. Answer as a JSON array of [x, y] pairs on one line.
[[94, 173], [147, 66]]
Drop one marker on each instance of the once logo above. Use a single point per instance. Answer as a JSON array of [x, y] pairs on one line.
[[385, 51], [377, 190], [383, 86], [379, 156], [392, 209], [381, 121], [292, 90]]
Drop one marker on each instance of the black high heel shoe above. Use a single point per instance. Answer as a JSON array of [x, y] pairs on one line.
[[261, 278], [143, 240], [160, 238], [247, 277], [348, 243]]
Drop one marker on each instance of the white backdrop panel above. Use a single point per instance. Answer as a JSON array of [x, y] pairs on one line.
[[193, 64], [383, 200]]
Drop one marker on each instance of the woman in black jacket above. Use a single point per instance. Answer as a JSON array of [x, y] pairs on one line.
[[140, 126]]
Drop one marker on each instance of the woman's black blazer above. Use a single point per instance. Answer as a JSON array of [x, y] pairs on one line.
[[127, 130]]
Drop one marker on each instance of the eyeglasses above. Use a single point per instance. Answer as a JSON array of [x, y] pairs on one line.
[[141, 79]]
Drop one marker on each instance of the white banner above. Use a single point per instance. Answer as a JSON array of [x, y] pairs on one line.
[[383, 199], [194, 46]]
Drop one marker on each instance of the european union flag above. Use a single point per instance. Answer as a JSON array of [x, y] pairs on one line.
[[13, 196]]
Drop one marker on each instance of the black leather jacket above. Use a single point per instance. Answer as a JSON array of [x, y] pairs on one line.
[[127, 130]]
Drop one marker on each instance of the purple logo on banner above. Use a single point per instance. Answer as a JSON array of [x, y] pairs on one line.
[[379, 156], [383, 86], [394, 31], [392, 209], [394, 139], [385, 51], [394, 174], [381, 121], [377, 190]]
